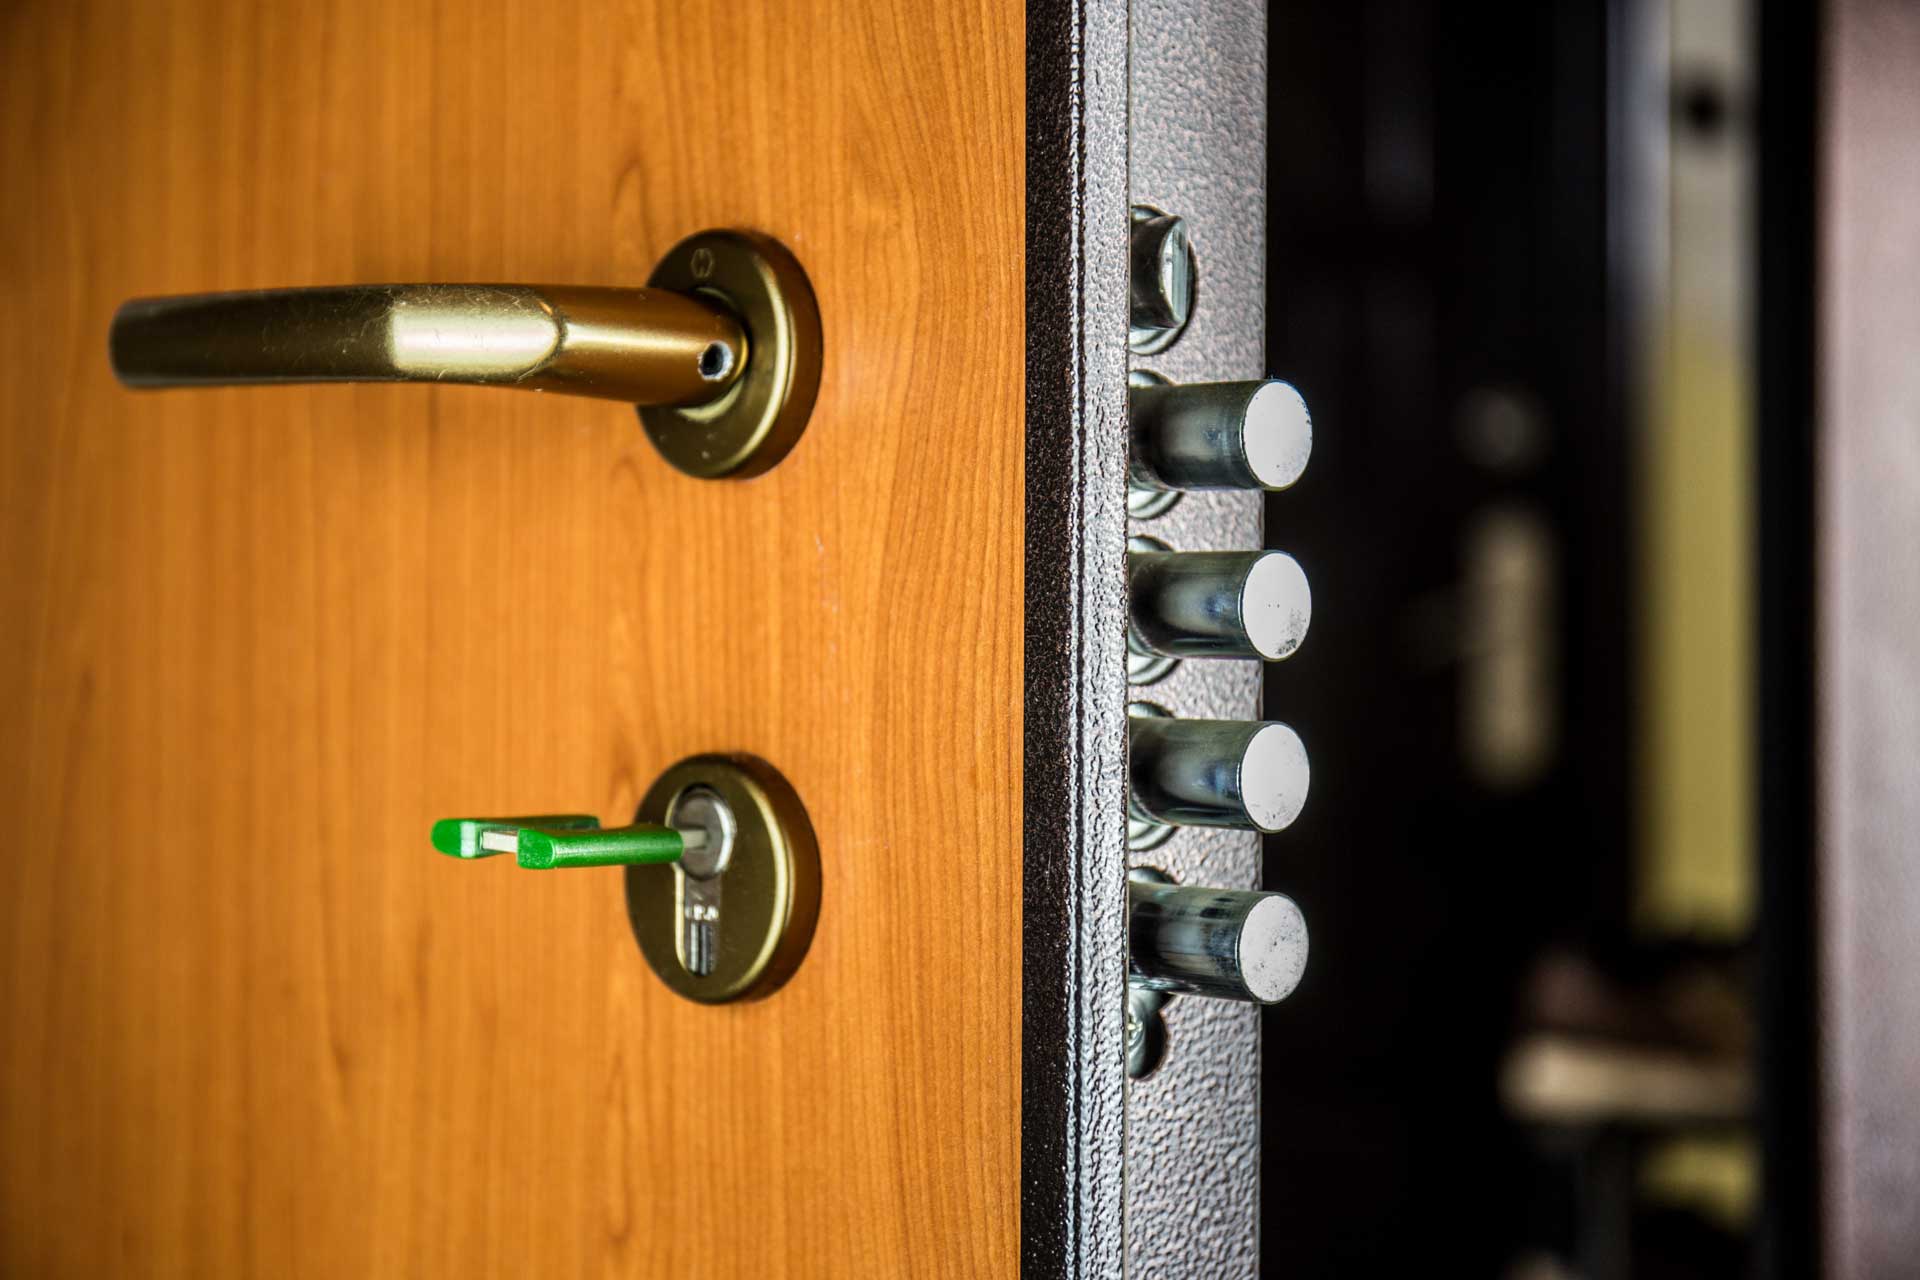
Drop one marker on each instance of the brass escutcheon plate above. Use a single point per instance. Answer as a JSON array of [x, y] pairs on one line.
[[771, 884], [760, 418]]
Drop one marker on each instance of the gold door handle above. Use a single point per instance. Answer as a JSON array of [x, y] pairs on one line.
[[646, 346], [721, 352]]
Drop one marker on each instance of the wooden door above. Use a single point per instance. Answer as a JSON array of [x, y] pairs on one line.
[[256, 640]]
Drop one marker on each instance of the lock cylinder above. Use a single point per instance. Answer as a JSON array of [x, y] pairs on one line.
[[722, 871], [733, 920]]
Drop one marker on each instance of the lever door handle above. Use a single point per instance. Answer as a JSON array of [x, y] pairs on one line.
[[645, 346], [720, 352]]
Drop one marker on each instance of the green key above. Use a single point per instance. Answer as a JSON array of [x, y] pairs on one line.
[[561, 840]]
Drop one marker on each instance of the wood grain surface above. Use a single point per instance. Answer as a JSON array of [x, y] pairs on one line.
[[255, 641]]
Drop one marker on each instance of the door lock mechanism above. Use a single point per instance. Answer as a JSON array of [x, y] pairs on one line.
[[722, 871]]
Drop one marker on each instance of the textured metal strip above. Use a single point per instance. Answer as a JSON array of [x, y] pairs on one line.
[[1073, 923], [1199, 104], [1867, 583]]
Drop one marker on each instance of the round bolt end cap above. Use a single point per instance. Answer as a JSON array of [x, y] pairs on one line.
[[1274, 777], [1276, 605], [1273, 948], [1277, 435]]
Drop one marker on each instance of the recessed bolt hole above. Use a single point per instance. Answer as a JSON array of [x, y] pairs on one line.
[[716, 362]]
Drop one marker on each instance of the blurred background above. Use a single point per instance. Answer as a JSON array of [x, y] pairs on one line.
[[1534, 268]]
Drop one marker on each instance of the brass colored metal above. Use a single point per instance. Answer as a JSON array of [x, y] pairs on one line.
[[644, 346], [759, 420], [721, 352], [771, 883]]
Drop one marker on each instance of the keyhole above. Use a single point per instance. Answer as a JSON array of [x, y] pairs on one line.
[[701, 809]]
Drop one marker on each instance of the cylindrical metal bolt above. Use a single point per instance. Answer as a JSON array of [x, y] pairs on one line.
[[1216, 773], [1230, 944], [1160, 293], [1218, 604], [1219, 435]]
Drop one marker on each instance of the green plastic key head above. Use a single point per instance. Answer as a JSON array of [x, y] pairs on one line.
[[489, 837], [558, 840], [636, 845]]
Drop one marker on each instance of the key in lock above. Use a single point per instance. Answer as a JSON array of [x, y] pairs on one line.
[[732, 920], [721, 868]]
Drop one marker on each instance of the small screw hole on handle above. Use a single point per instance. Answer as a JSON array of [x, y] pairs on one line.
[[716, 362]]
